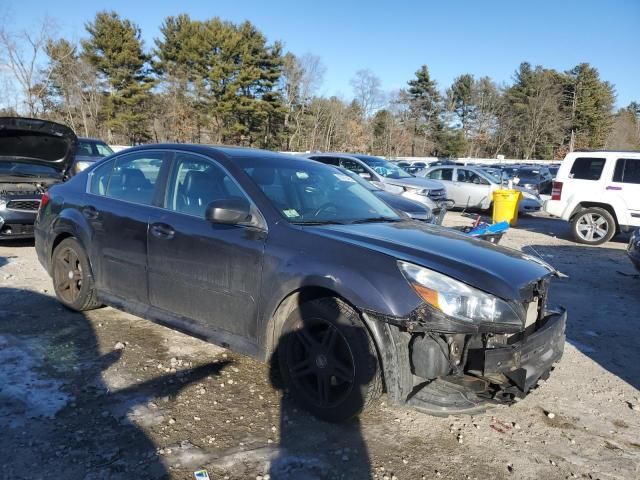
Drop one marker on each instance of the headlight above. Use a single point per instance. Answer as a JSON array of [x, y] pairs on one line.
[[457, 299], [418, 191], [80, 166], [3, 205]]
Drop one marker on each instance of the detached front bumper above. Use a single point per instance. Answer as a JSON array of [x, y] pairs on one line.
[[525, 362]]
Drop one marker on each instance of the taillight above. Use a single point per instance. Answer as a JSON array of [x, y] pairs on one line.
[[556, 191], [44, 200]]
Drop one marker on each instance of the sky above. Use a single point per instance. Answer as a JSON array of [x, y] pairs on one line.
[[394, 38]]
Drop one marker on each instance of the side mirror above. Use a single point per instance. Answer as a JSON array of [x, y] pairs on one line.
[[228, 211], [365, 175]]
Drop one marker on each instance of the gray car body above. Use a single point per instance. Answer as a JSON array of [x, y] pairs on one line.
[[289, 263], [479, 196]]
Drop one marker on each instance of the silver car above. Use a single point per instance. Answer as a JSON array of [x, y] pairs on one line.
[[471, 187], [389, 177]]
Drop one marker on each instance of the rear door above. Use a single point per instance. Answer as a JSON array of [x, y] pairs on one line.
[[122, 194], [626, 184], [207, 273], [586, 175]]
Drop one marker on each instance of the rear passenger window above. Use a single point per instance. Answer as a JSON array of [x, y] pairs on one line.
[[441, 174], [326, 160], [352, 165], [627, 170], [587, 168], [134, 177]]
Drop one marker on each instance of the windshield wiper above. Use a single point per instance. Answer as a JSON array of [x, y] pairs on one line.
[[376, 220]]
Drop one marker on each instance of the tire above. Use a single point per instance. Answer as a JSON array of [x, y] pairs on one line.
[[72, 278], [593, 226], [328, 361]]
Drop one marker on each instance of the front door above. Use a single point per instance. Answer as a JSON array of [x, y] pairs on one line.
[[472, 190], [207, 273], [122, 192], [626, 183]]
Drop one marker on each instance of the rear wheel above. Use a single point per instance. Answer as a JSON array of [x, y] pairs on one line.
[[328, 360], [72, 279], [593, 226]]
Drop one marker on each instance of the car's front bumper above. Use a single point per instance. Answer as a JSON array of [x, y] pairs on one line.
[[16, 224], [524, 362]]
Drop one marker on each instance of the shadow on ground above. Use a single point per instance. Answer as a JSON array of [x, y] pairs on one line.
[[310, 351], [58, 418]]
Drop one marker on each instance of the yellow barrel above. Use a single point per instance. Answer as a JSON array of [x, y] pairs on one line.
[[505, 206]]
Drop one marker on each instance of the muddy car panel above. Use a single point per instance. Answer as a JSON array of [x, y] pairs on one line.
[[279, 264], [34, 154]]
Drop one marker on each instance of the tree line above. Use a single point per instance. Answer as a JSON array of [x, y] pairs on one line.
[[214, 81]]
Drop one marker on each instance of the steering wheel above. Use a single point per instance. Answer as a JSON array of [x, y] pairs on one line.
[[323, 207]]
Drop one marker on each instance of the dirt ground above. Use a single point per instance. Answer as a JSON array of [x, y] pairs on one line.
[[105, 395]]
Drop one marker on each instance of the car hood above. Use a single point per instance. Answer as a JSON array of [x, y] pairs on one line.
[[501, 271], [29, 140], [415, 182], [401, 203]]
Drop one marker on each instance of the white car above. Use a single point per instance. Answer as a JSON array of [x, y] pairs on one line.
[[599, 193], [472, 187]]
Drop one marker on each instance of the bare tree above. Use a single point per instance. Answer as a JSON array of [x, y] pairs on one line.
[[367, 91], [301, 78], [21, 52]]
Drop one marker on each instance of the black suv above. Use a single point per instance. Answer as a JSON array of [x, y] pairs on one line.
[[288, 259], [34, 154]]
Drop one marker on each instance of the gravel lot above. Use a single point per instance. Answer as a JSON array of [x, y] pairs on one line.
[[108, 395]]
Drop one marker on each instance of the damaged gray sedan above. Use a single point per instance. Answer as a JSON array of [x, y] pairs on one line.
[[292, 261]]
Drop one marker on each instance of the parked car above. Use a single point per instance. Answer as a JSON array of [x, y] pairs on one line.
[[88, 151], [537, 179], [633, 250], [287, 259], [553, 170], [472, 187], [599, 193], [34, 154], [414, 210], [389, 177]]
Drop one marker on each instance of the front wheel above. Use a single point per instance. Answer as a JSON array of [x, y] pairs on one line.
[[328, 360], [593, 226], [72, 279]]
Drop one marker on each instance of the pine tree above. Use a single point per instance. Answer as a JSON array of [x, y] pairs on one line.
[[115, 49], [591, 107], [460, 99], [425, 105]]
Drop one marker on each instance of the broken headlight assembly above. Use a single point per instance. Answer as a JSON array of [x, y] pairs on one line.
[[458, 300]]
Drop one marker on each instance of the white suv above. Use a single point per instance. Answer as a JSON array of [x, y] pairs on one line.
[[599, 193]]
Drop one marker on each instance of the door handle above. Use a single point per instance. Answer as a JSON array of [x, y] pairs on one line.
[[90, 212], [162, 231]]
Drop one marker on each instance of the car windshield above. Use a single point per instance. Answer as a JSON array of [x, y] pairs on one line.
[[20, 169], [384, 168], [315, 194], [528, 174]]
